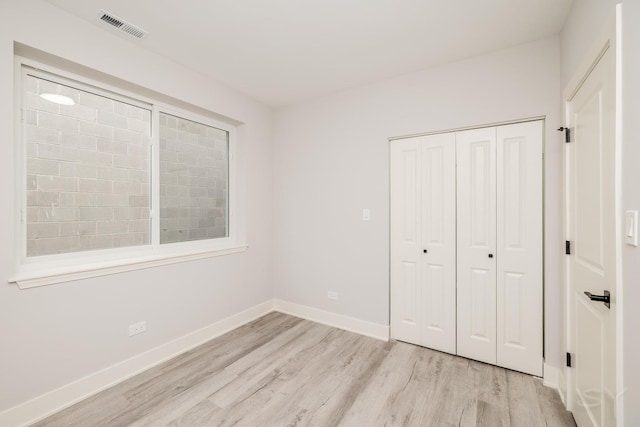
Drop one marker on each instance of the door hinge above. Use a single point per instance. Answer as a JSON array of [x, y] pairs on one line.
[[567, 247], [569, 361], [567, 133]]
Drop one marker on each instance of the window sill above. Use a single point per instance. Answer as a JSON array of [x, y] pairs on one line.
[[35, 278]]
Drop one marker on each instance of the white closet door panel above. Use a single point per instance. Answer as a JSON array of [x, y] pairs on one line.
[[476, 214], [519, 244], [438, 263], [405, 240]]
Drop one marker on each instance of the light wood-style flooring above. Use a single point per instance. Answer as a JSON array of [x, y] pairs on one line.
[[280, 370]]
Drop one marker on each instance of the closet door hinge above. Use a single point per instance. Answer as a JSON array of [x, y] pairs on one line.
[[567, 133], [567, 247], [569, 359]]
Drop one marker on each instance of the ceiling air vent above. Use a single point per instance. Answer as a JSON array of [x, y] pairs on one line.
[[121, 24]]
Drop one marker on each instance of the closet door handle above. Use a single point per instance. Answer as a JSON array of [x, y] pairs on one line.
[[490, 255], [605, 299], [424, 251]]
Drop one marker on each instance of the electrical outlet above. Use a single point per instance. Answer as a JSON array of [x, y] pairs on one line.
[[332, 295], [137, 328]]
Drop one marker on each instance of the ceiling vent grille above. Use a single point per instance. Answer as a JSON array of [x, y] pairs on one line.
[[121, 24]]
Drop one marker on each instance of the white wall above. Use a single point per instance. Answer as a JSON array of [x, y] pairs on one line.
[[50, 336], [331, 160], [586, 19], [631, 200]]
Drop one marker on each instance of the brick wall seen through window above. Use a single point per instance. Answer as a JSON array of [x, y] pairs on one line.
[[194, 170], [87, 171]]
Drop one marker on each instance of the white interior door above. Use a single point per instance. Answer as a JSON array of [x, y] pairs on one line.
[[405, 240], [476, 214], [591, 226], [519, 247], [438, 229]]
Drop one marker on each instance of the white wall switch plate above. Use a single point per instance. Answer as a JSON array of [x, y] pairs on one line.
[[631, 228], [332, 295], [366, 214]]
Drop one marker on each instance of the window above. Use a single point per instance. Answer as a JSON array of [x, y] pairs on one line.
[[111, 176], [193, 180], [88, 170]]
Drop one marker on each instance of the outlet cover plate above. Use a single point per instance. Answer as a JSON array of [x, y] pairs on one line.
[[137, 328]]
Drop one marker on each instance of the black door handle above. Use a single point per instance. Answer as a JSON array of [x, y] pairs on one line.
[[606, 298]]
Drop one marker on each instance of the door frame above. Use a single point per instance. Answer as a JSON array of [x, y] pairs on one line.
[[609, 38]]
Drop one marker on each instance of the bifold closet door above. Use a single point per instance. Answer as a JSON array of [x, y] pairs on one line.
[[438, 238], [519, 247], [423, 243], [476, 213], [499, 300], [405, 239], [472, 288]]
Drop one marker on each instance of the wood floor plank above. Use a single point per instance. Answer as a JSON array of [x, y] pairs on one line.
[[198, 416], [399, 390], [183, 403], [454, 393], [374, 405], [347, 381], [492, 409], [284, 371], [94, 411], [257, 370], [297, 378], [221, 353], [553, 410], [524, 408]]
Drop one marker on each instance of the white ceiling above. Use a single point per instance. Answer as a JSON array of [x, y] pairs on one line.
[[284, 51]]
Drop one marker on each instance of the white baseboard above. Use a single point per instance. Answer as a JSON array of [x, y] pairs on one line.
[[56, 400], [562, 387], [551, 376], [554, 378], [362, 327]]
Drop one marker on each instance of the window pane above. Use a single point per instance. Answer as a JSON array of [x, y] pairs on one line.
[[194, 180], [87, 171]]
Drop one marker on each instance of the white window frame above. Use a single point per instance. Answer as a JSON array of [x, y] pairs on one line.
[[49, 269]]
